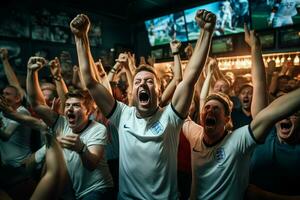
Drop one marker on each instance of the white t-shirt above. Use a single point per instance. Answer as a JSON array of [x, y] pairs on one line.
[[17, 148], [148, 153], [83, 180], [221, 171]]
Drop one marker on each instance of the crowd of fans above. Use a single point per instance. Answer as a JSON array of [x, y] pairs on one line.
[[137, 132]]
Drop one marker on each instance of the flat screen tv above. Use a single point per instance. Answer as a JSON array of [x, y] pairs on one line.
[[163, 29], [289, 37], [267, 40], [157, 53], [231, 16], [222, 45], [274, 13]]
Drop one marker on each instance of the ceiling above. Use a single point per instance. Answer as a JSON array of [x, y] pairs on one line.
[[132, 10]]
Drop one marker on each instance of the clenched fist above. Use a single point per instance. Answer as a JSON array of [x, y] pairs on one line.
[[36, 63], [206, 20], [80, 25]]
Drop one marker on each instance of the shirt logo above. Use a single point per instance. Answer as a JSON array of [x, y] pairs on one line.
[[156, 128], [220, 154]]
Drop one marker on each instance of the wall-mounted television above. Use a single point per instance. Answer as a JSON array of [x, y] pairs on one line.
[[157, 53], [222, 45], [231, 16], [267, 40], [289, 37], [164, 29], [274, 13]]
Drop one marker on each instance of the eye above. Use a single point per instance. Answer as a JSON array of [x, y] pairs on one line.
[[150, 81], [137, 82]]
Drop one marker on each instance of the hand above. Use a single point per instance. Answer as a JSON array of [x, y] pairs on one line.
[[189, 50], [80, 25], [206, 20], [212, 64], [71, 141], [55, 67], [271, 67], [123, 58], [131, 59], [151, 60], [3, 53], [55, 106], [251, 37], [99, 66], [142, 61], [175, 46], [75, 69], [36, 63]]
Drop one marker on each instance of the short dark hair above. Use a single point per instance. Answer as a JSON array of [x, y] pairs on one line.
[[81, 94], [146, 68], [224, 99]]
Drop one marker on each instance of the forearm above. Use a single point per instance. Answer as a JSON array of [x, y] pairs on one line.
[[129, 77], [177, 69], [11, 76], [85, 63], [259, 100], [205, 89], [280, 108], [198, 58], [27, 120], [62, 90], [113, 71], [35, 95], [106, 83], [273, 85]]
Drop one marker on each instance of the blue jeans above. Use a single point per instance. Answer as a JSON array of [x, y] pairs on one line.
[[105, 193]]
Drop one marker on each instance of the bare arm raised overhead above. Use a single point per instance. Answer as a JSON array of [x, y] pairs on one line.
[[9, 72], [279, 109], [177, 78], [35, 95], [183, 94], [259, 100], [80, 26]]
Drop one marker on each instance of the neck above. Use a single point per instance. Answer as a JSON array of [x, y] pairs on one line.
[[81, 127], [148, 113], [211, 139], [247, 112]]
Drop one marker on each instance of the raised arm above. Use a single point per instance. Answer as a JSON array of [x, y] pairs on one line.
[[212, 64], [103, 75], [104, 100], [60, 84], [259, 97], [9, 72], [177, 71], [35, 95], [279, 109], [52, 183], [184, 92], [21, 118]]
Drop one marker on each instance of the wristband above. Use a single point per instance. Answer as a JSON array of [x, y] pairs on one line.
[[175, 53]]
